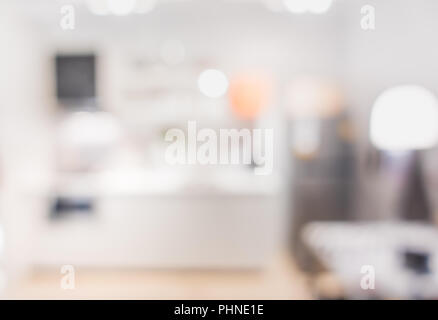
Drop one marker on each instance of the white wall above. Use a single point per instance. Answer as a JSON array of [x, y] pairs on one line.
[[25, 152]]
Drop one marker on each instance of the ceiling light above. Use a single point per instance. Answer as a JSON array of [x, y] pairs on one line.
[[405, 118], [303, 6], [296, 6], [213, 83], [319, 6], [121, 7]]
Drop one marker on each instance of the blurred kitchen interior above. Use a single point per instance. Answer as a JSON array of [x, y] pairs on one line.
[[83, 181]]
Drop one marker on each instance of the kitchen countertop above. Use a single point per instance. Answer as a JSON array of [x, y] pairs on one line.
[[281, 280]]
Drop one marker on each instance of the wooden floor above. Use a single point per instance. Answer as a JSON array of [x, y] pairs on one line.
[[280, 280]]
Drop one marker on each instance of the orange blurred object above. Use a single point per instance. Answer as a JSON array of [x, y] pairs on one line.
[[249, 94]]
